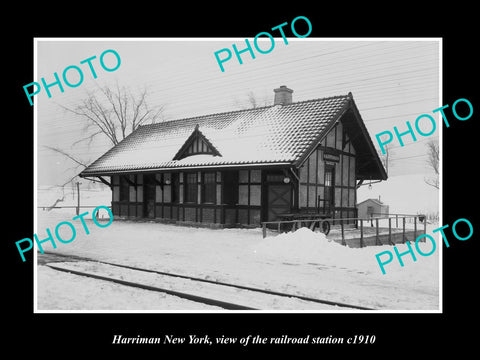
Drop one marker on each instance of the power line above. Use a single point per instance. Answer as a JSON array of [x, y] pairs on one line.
[[229, 84], [362, 109], [66, 125], [368, 79], [175, 77]]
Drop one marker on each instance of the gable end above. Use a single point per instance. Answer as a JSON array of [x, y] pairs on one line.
[[196, 144]]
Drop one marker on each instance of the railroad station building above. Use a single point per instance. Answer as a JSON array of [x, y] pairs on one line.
[[240, 168]]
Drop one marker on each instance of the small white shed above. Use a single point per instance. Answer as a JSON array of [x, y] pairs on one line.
[[371, 208]]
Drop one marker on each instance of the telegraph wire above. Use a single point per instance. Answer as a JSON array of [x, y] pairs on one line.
[[368, 80], [209, 79]]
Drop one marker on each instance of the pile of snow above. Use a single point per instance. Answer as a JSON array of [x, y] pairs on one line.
[[303, 262], [303, 246]]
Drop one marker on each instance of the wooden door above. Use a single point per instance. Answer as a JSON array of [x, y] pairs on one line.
[[329, 194], [279, 200]]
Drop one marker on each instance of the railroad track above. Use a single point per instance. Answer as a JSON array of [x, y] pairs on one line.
[[221, 294]]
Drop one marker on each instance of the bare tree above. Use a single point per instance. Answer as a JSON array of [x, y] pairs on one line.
[[252, 101], [79, 163], [433, 160], [110, 112], [114, 113], [386, 158]]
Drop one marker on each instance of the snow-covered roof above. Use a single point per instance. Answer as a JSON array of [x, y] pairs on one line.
[[277, 134], [375, 201]]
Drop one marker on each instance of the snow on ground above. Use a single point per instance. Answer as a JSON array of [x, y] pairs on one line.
[[233, 295], [64, 291], [405, 194], [302, 262], [67, 196]]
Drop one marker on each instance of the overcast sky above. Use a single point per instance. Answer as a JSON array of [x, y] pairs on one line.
[[392, 81]]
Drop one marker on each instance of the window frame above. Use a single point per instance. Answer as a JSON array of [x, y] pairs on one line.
[[329, 188], [124, 189], [230, 187], [209, 188], [190, 194]]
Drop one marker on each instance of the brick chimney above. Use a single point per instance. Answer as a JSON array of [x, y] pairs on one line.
[[283, 96]]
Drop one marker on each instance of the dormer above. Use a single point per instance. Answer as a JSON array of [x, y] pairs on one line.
[[196, 144]]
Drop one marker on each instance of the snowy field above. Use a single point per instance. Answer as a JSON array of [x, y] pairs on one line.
[[301, 263]]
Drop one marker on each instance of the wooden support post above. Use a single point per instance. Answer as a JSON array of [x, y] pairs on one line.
[[403, 234], [278, 227], [343, 235], [78, 198], [414, 228], [361, 233], [396, 220], [105, 182], [377, 239], [424, 224], [264, 230], [130, 182], [390, 231]]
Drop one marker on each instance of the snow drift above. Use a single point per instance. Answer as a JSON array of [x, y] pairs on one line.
[[303, 245]]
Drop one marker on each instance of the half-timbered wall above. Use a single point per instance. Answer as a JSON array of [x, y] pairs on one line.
[[336, 154], [214, 197], [127, 197], [249, 196]]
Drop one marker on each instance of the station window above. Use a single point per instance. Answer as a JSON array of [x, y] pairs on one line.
[[191, 187], [124, 189], [209, 188]]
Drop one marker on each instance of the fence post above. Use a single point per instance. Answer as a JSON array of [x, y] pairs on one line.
[[264, 230], [390, 231], [403, 233], [278, 227], [343, 235], [424, 224], [415, 228], [78, 198], [396, 220], [377, 240], [361, 233]]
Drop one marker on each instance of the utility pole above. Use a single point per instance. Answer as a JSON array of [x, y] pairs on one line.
[[78, 198], [387, 160]]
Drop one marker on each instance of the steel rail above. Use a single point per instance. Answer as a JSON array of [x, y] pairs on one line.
[[243, 287], [196, 298]]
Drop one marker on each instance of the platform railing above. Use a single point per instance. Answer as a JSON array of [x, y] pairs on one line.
[[400, 221]]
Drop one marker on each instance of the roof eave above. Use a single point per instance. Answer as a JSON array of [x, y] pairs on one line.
[[184, 168], [382, 172]]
